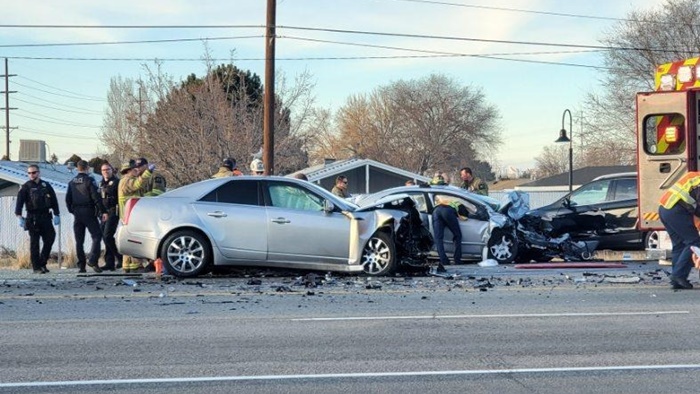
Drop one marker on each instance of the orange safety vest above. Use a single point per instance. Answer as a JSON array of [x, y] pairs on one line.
[[680, 191]]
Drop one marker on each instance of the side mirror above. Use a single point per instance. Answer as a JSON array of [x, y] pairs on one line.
[[328, 206]]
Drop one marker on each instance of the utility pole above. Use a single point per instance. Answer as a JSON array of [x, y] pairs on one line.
[[269, 94], [7, 109]]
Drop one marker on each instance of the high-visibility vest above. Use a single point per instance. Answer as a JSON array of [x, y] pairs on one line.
[[680, 191]]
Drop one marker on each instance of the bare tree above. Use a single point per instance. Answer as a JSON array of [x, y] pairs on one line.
[[420, 125], [119, 130], [644, 40], [553, 160]]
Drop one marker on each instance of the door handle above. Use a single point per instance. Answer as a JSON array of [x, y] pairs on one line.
[[217, 214], [281, 220]]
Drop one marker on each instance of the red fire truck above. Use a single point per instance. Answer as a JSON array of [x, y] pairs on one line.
[[668, 132]]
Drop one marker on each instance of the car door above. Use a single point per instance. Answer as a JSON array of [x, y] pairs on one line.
[[621, 215], [473, 228], [234, 217], [583, 211], [298, 228]]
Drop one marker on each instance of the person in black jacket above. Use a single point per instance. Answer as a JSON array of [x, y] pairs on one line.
[[84, 202], [109, 190], [40, 199]]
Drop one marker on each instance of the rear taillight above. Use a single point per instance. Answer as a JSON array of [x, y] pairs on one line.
[[128, 207]]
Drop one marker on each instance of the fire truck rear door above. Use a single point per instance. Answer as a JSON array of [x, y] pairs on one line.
[[665, 147]]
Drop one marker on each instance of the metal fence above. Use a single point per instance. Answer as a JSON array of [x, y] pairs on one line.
[[13, 238]]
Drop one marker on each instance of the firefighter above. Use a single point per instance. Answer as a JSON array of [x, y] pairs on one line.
[[228, 168], [472, 183], [257, 167], [109, 191], [678, 207], [446, 214], [156, 184], [84, 202], [133, 183], [40, 200]]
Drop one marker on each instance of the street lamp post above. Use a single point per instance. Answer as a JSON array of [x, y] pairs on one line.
[[564, 138]]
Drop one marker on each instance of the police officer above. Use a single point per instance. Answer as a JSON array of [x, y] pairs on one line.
[[84, 202], [109, 189], [39, 198], [228, 168], [472, 183], [678, 207]]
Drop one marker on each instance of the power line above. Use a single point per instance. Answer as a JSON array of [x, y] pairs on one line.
[[58, 44], [56, 94], [437, 52], [469, 39], [58, 104], [40, 26], [60, 109], [62, 90], [58, 123], [34, 131], [56, 119], [549, 13]]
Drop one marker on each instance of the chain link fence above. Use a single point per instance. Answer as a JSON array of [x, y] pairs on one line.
[[14, 239]]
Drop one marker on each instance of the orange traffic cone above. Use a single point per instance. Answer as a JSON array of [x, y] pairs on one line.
[[159, 266]]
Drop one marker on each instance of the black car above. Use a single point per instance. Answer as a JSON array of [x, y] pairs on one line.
[[604, 209]]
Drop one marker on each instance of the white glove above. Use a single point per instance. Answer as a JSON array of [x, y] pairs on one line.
[[56, 220], [151, 167], [21, 221]]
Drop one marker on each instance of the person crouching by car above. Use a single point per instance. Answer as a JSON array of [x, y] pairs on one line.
[[446, 214], [678, 209]]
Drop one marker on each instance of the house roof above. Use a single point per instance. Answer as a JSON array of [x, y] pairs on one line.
[[580, 176], [505, 184], [57, 175], [322, 171]]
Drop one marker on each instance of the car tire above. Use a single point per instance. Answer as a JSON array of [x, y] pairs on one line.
[[651, 240], [379, 255], [186, 254], [502, 246]]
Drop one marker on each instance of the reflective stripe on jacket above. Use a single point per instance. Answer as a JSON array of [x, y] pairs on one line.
[[684, 190]]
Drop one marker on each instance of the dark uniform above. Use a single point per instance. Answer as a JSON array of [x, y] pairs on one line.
[[677, 208], [39, 197], [85, 203], [445, 214], [109, 191]]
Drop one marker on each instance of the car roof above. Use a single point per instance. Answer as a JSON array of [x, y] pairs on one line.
[[617, 175]]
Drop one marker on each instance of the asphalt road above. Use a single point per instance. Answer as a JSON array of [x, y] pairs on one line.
[[485, 330]]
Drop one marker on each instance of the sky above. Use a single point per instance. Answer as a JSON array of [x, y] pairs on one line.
[[61, 95]]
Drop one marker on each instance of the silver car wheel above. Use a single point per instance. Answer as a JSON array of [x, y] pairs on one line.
[[378, 255], [502, 247], [652, 240], [185, 254]]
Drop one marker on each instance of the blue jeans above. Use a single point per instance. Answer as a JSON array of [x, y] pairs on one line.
[[681, 229], [446, 216]]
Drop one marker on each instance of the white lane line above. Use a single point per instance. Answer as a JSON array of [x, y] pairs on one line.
[[514, 315], [206, 379]]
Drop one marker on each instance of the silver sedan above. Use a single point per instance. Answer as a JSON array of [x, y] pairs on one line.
[[485, 234], [259, 221]]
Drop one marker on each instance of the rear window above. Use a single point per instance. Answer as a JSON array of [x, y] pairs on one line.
[[626, 189], [243, 192]]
